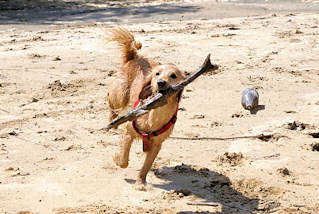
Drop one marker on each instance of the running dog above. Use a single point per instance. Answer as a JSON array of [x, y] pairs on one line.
[[138, 80]]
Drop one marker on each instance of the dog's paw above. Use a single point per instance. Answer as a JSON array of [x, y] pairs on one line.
[[142, 187], [118, 161]]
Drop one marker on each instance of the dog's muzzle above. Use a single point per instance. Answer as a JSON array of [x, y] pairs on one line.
[[162, 84]]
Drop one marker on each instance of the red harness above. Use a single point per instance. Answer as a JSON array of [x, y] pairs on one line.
[[146, 136]]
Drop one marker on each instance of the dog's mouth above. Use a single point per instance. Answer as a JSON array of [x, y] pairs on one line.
[[163, 88], [161, 91]]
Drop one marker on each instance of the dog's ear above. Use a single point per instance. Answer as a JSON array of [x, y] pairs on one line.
[[147, 88]]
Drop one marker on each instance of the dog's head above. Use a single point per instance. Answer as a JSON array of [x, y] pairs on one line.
[[161, 78]]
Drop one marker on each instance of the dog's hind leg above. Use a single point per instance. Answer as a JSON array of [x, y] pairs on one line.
[[113, 114], [121, 159], [118, 97]]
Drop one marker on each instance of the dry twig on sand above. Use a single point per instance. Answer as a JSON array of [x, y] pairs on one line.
[[4, 110], [203, 204], [160, 98], [264, 137]]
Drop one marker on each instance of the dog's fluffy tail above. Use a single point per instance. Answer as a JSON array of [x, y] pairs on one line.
[[127, 43]]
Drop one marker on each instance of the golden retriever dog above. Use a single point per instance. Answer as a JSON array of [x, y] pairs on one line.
[[139, 79]]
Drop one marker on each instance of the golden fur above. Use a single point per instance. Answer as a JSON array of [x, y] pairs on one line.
[[139, 77]]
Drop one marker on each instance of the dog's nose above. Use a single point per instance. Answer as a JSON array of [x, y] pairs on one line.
[[161, 83]]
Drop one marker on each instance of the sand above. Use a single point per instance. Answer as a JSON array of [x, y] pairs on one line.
[[56, 157]]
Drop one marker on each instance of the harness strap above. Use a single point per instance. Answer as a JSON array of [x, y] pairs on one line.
[[146, 136]]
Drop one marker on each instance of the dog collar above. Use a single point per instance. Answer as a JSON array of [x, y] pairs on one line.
[[146, 136]]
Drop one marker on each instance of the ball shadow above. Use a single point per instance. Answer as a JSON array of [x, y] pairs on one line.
[[259, 107]]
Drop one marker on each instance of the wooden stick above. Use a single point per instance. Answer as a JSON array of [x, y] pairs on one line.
[[214, 204], [203, 204], [227, 138], [4, 110], [161, 97]]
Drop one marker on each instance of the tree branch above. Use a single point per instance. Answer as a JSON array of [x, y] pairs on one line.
[[160, 99]]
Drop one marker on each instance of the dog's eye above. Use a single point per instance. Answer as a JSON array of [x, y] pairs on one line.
[[157, 73], [173, 76]]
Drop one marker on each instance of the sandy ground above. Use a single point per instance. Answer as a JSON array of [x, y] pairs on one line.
[[56, 157]]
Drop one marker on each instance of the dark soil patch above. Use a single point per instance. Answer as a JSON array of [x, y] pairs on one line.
[[233, 158], [265, 137], [284, 171], [269, 137], [237, 115], [315, 134], [315, 147], [296, 125], [57, 88]]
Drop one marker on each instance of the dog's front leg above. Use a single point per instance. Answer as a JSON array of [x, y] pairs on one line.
[[121, 159], [149, 159]]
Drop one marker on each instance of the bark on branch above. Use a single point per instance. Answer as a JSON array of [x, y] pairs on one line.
[[160, 99]]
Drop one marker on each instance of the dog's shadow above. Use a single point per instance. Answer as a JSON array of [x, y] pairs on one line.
[[208, 186]]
